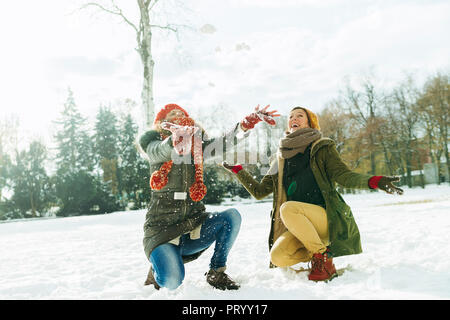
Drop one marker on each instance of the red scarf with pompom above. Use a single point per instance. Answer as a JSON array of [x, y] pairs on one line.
[[159, 178]]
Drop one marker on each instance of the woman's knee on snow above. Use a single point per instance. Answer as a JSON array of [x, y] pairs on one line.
[[171, 280]]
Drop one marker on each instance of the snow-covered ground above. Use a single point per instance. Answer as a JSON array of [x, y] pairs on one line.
[[406, 243]]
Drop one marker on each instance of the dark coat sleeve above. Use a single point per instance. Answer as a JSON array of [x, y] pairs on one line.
[[158, 150]]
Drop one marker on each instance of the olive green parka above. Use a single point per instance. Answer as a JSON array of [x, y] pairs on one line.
[[168, 217], [328, 169]]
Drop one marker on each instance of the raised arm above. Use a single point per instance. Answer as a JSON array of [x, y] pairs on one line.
[[239, 132], [157, 150], [160, 151], [259, 190], [227, 140], [339, 172]]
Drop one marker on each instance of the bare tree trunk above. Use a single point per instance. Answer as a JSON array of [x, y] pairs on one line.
[[408, 168], [386, 158], [145, 52], [371, 104], [144, 48], [32, 205], [419, 163], [448, 161], [398, 159], [444, 135], [372, 156]]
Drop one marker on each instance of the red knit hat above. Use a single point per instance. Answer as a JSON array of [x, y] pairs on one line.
[[167, 108]]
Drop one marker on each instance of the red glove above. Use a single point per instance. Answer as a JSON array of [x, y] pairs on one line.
[[259, 115], [181, 136], [385, 184], [373, 182], [234, 169]]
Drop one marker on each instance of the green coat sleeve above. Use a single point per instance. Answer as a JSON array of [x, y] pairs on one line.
[[339, 172], [259, 190]]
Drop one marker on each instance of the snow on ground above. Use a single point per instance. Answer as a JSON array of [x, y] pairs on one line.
[[405, 241]]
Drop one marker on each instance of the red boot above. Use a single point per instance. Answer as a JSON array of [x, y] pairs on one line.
[[322, 267]]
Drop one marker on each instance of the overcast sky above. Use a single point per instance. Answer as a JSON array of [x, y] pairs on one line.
[[237, 53]]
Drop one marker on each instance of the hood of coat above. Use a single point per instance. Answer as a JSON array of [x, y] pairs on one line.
[[318, 144], [148, 137]]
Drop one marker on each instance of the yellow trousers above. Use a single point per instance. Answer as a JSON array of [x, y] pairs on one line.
[[307, 234]]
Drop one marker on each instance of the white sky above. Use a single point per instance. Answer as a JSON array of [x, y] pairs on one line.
[[295, 52]]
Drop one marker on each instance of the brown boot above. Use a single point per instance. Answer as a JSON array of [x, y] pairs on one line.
[[322, 268], [220, 280], [151, 279]]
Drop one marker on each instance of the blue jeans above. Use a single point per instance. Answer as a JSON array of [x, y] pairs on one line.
[[220, 227]]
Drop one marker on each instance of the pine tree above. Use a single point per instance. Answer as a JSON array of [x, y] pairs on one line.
[[71, 156], [128, 159], [31, 184], [106, 146], [78, 187], [83, 193], [133, 169], [216, 187], [4, 168], [8, 142]]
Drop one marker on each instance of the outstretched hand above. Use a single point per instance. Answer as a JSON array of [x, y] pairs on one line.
[[267, 116], [259, 115], [386, 185], [181, 136], [232, 168]]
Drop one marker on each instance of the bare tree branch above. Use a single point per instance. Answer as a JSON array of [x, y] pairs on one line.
[[153, 4], [168, 27], [117, 12], [123, 16]]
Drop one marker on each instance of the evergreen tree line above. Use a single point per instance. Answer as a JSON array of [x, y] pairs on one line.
[[95, 170]]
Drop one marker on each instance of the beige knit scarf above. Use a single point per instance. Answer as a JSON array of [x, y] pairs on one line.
[[297, 141]]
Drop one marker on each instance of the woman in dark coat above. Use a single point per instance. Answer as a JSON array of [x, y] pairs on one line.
[[177, 228], [310, 220]]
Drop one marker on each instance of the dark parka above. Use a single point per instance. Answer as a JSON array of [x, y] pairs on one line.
[[328, 169], [167, 218]]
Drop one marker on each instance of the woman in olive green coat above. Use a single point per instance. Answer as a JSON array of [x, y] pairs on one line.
[[310, 219]]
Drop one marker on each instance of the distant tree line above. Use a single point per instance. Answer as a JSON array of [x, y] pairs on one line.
[[95, 170], [98, 169], [394, 132]]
